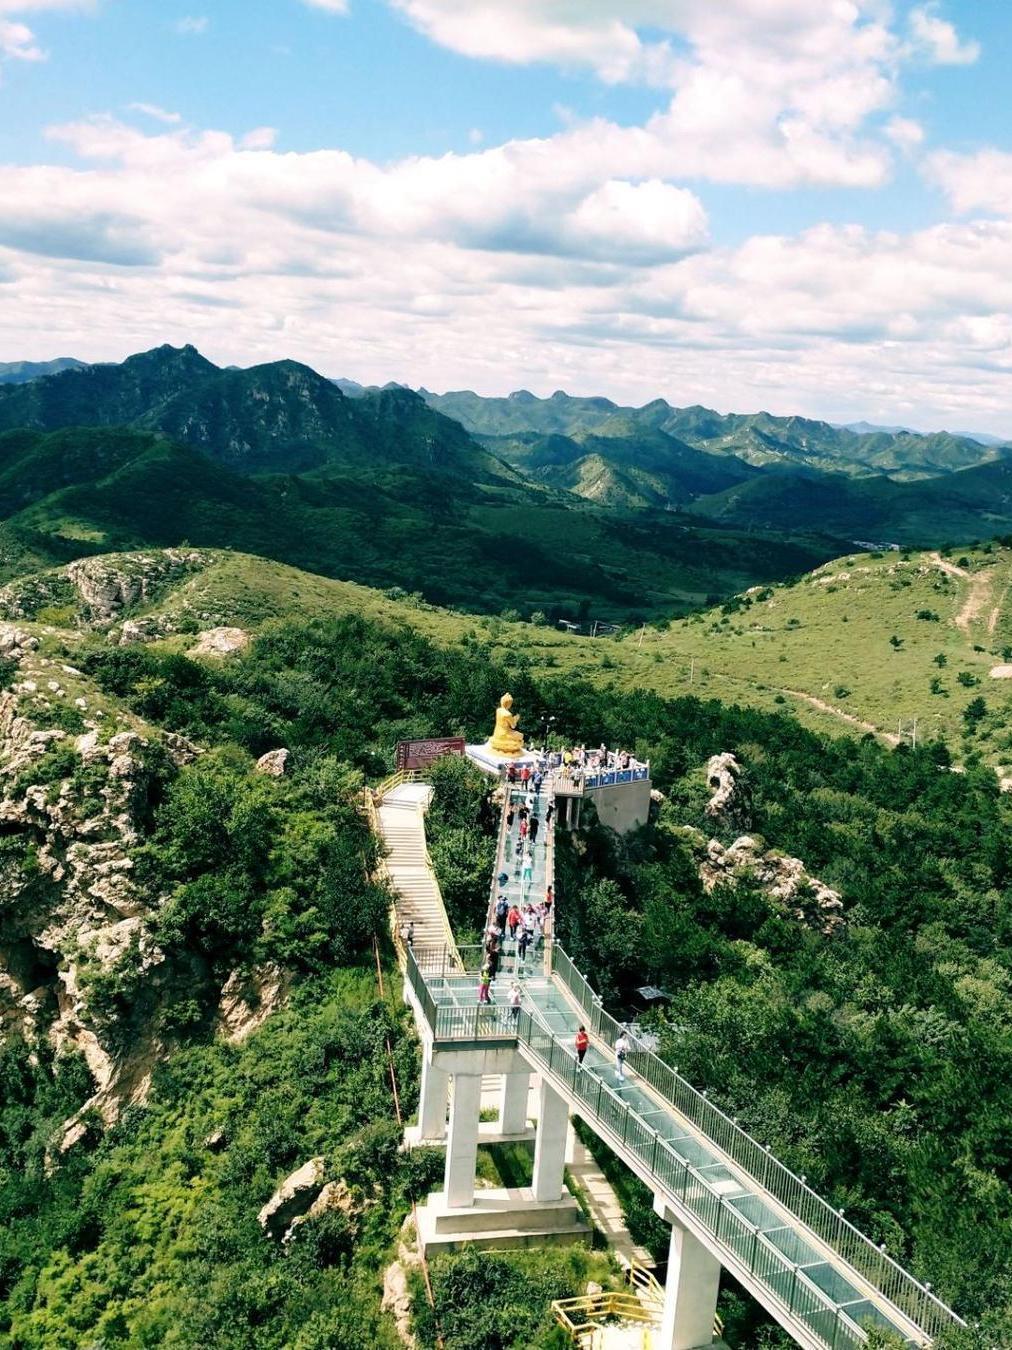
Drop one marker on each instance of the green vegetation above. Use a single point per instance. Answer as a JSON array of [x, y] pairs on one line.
[[448, 531], [147, 1235], [877, 1059]]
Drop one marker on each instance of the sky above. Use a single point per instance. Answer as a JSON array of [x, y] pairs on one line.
[[797, 205]]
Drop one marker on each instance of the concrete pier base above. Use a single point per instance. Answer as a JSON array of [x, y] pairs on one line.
[[501, 1217]]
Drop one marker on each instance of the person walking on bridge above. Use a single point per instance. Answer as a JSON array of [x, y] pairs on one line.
[[622, 1047], [533, 831], [483, 985], [582, 1043], [513, 920], [516, 997]]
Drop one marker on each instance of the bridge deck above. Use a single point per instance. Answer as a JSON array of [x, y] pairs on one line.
[[822, 1278], [806, 1276]]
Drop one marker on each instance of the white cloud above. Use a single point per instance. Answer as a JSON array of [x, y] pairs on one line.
[[35, 6], [17, 42], [475, 136], [648, 221], [937, 40], [976, 182], [905, 133], [158, 114], [519, 263], [192, 25], [260, 138]]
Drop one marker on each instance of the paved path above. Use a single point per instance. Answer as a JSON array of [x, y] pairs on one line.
[[605, 1209]]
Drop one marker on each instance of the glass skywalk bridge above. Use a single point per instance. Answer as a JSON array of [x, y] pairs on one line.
[[823, 1279]]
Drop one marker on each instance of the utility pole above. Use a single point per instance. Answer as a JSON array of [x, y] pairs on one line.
[[642, 633], [692, 670]]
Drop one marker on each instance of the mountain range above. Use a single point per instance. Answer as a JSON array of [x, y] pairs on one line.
[[758, 439], [562, 504], [166, 448]]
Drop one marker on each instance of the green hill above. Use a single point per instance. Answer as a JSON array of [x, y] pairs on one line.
[[618, 466], [20, 372], [969, 504], [483, 542], [820, 648], [278, 416]]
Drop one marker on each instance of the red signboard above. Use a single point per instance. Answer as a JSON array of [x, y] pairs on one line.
[[416, 754]]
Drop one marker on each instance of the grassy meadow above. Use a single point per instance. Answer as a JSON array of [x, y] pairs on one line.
[[867, 643]]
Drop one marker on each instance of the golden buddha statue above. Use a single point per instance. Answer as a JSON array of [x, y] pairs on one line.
[[506, 740]]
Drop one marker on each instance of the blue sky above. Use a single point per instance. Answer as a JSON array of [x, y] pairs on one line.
[[762, 203]]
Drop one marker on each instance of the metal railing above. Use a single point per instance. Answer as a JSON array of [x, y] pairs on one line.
[[784, 1279], [906, 1293]]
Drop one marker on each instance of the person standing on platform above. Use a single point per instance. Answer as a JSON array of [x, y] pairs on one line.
[[549, 814], [513, 920], [516, 997], [483, 985], [523, 829], [509, 817], [534, 830], [502, 908], [582, 1042]]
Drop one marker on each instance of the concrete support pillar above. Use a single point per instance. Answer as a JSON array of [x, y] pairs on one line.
[[690, 1294], [513, 1102], [462, 1141], [550, 1144], [432, 1101]]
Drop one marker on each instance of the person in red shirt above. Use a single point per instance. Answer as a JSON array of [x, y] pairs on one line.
[[513, 920], [582, 1042]]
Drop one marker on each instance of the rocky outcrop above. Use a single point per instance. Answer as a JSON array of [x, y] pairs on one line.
[[75, 906], [273, 763], [396, 1287], [15, 643], [722, 774], [293, 1198], [248, 998], [108, 584], [785, 880], [220, 642]]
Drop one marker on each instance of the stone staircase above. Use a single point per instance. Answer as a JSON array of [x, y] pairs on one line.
[[401, 819]]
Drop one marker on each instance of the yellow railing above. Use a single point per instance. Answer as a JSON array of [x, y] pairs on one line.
[[584, 1317], [642, 1304], [394, 781]]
